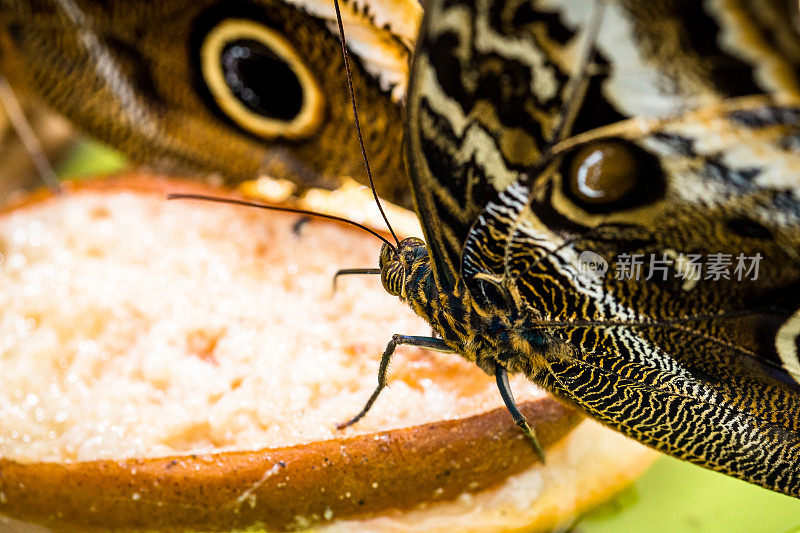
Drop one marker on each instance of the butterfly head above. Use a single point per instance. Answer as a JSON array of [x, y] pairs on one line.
[[397, 263]]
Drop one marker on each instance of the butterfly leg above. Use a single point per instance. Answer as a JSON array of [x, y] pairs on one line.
[[297, 227], [501, 375], [350, 271], [383, 370], [29, 140]]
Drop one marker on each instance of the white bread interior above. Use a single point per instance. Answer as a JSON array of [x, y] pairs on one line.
[[133, 326]]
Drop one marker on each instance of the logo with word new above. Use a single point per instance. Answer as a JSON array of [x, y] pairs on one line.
[[592, 265]]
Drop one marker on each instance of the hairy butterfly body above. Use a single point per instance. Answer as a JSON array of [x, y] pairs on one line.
[[646, 269]]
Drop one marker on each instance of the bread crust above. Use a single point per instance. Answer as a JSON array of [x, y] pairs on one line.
[[284, 488]]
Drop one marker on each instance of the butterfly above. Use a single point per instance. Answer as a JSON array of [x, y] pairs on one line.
[[618, 220]]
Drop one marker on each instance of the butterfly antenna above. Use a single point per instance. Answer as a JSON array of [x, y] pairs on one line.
[[27, 136], [358, 124], [246, 203]]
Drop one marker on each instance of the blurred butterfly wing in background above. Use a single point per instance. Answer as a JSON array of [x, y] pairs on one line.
[[240, 88], [703, 369]]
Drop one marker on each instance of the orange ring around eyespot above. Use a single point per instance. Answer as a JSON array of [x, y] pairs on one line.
[[230, 30]]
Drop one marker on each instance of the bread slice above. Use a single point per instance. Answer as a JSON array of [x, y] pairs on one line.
[[180, 364]]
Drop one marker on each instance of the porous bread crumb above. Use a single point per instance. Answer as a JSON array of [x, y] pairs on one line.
[[133, 326]]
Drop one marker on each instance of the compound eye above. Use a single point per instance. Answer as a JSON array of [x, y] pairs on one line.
[[392, 277], [387, 254], [602, 173], [259, 81]]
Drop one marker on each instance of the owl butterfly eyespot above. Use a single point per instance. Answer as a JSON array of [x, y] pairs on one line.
[[242, 88], [611, 174], [259, 81], [602, 173]]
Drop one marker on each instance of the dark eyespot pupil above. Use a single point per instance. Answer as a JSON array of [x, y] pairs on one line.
[[602, 173], [261, 79], [748, 228], [610, 175]]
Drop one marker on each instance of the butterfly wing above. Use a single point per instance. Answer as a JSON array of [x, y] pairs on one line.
[[702, 369], [698, 360], [711, 405], [489, 84], [240, 88]]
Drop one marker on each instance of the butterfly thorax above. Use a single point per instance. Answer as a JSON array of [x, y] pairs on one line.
[[486, 336]]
